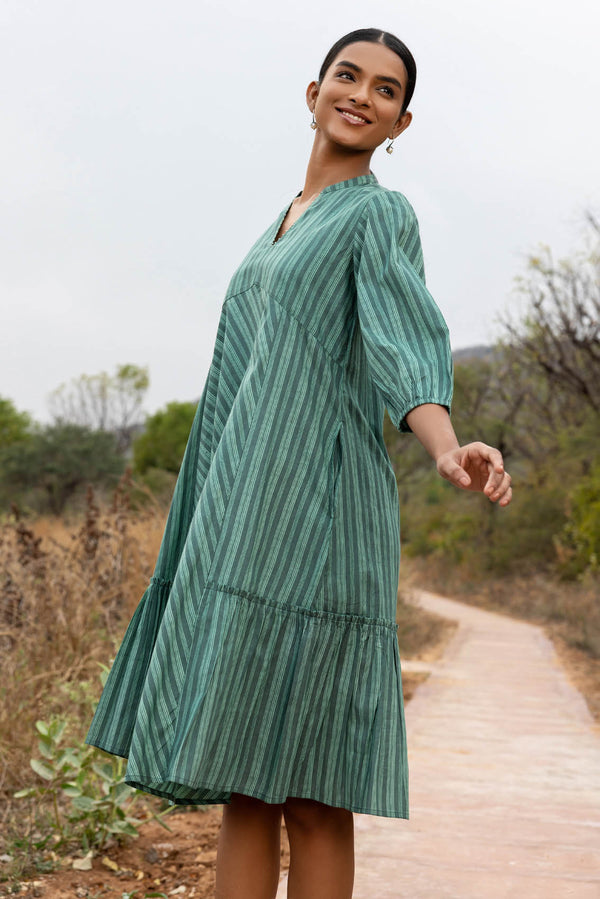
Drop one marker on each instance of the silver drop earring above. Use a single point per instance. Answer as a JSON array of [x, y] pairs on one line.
[[313, 124], [390, 148]]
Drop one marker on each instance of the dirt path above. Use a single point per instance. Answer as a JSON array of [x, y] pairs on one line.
[[504, 763]]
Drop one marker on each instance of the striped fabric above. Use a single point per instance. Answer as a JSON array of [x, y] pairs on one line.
[[263, 657]]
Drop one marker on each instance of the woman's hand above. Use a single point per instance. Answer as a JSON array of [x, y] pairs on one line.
[[477, 466]]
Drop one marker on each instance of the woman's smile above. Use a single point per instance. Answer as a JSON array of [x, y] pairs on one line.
[[354, 118]]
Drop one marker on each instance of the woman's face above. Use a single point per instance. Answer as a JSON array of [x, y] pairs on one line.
[[358, 104]]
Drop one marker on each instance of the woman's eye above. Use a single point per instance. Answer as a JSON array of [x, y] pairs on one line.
[[350, 75]]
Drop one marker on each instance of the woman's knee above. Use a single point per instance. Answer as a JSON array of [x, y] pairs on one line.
[[250, 805], [309, 816]]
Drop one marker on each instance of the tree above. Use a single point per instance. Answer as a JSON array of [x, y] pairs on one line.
[[164, 439], [104, 402], [14, 425], [560, 332], [59, 459]]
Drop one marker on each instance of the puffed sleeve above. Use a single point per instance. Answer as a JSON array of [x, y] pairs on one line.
[[404, 334]]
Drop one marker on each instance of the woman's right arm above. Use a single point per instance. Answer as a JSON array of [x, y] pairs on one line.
[[475, 466]]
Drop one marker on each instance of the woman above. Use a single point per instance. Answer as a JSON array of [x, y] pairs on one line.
[[261, 667]]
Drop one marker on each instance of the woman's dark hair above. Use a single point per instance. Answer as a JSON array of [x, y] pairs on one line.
[[375, 36]]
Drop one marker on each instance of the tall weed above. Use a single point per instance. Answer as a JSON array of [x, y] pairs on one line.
[[67, 594]]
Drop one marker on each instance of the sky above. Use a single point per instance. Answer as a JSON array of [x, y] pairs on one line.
[[145, 146]]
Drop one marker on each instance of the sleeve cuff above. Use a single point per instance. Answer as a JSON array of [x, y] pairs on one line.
[[400, 422]]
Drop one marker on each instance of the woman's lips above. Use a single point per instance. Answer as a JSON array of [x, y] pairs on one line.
[[351, 118]]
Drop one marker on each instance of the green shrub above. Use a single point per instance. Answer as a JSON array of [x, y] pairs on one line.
[[163, 442], [578, 545], [90, 801]]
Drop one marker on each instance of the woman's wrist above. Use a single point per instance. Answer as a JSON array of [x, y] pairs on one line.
[[432, 427]]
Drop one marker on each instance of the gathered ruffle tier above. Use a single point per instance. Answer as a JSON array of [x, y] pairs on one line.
[[271, 702]]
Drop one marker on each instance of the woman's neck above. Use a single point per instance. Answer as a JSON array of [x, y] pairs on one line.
[[327, 167]]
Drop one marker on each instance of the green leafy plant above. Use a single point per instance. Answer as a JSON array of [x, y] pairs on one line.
[[163, 441], [90, 801], [578, 546]]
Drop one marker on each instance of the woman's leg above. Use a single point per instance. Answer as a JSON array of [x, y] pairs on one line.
[[248, 849], [321, 850]]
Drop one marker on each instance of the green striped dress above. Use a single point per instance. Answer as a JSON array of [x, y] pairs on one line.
[[263, 657]]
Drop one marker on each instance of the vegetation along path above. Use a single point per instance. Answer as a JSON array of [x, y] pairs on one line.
[[504, 761]]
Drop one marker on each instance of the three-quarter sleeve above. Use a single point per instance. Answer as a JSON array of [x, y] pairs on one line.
[[405, 336]]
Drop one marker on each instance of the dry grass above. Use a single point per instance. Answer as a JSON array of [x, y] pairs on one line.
[[422, 635], [67, 595], [583, 671]]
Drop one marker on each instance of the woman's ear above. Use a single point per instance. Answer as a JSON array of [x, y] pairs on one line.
[[402, 124], [312, 92]]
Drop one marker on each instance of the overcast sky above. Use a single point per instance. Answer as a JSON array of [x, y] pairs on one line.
[[146, 145]]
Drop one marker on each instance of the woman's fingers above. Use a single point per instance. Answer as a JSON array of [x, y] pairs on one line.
[[494, 481], [478, 466], [498, 490], [450, 469], [482, 453], [490, 464]]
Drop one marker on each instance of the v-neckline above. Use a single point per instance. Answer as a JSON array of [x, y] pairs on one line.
[[347, 182], [281, 218]]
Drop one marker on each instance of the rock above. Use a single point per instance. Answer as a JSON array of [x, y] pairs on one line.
[[108, 863], [83, 864], [33, 888]]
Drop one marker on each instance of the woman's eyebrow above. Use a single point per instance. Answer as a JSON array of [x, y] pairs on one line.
[[352, 65]]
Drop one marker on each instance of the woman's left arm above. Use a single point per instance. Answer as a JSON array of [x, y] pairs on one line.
[[475, 466]]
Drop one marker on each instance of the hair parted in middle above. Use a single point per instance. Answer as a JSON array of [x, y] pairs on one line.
[[377, 36]]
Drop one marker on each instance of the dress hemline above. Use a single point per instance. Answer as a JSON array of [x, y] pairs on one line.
[[265, 797]]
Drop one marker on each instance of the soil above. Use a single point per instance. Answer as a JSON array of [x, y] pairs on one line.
[[180, 863]]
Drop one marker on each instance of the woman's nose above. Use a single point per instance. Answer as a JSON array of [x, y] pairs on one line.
[[360, 96]]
